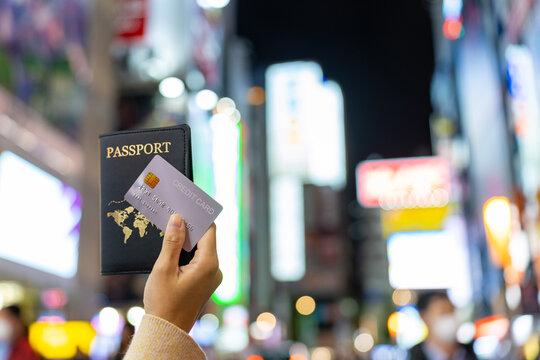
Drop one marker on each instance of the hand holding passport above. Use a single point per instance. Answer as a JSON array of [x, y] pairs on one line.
[[145, 178]]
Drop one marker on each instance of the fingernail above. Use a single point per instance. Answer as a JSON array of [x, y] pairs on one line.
[[175, 221]]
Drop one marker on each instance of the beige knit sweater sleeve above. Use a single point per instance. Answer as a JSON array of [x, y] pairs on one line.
[[158, 339]]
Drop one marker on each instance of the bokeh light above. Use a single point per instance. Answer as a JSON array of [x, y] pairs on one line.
[[266, 321], [393, 323], [512, 295], [171, 87], [465, 332], [108, 322], [531, 347], [235, 116], [210, 319], [401, 297], [522, 328], [225, 105], [53, 298], [232, 339], [298, 357], [305, 305], [11, 293], [257, 333], [453, 29], [135, 315], [498, 222], [298, 350], [212, 4], [486, 347], [205, 329], [497, 216], [256, 96], [321, 353], [206, 99], [363, 342], [254, 357], [235, 316]]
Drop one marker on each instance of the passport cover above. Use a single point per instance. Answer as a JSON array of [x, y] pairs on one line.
[[130, 243]]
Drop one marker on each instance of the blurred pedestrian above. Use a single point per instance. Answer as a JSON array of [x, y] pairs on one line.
[[174, 296], [438, 313], [13, 333]]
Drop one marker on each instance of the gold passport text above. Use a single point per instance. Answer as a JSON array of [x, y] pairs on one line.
[[138, 149]]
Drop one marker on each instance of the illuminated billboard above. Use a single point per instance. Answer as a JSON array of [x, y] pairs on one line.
[[525, 113], [432, 260], [306, 145], [226, 160], [403, 183], [422, 260], [39, 218], [305, 124]]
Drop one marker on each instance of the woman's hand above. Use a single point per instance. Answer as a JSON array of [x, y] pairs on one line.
[[178, 293]]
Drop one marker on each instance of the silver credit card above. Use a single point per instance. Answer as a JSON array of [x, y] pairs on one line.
[[161, 190]]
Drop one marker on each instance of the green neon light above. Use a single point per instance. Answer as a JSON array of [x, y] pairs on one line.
[[237, 297]]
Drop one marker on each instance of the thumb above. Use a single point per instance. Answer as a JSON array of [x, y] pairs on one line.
[[174, 238]]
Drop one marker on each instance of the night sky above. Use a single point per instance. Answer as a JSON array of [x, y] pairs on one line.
[[379, 51]]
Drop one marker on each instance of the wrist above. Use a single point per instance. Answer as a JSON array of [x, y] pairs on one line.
[[178, 320]]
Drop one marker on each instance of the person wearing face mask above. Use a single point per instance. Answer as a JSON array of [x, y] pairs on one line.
[[437, 311], [13, 335]]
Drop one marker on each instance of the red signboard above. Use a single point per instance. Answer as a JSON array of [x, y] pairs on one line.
[[130, 20], [403, 183]]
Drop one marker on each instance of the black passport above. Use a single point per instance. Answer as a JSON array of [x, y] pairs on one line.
[[130, 243]]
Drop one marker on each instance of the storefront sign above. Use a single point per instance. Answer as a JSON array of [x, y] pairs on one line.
[[404, 183]]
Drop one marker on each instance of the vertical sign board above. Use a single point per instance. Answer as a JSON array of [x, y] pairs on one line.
[[306, 144], [326, 137], [305, 124], [287, 247], [523, 98], [291, 90], [226, 157]]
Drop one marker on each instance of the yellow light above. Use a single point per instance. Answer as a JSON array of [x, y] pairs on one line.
[[305, 305], [61, 340], [55, 336], [401, 297], [416, 219], [256, 96], [498, 223], [266, 321], [298, 357], [531, 348], [393, 323]]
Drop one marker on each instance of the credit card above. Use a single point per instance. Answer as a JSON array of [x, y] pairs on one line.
[[161, 190]]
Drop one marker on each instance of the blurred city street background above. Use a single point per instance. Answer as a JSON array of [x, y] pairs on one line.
[[378, 163]]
